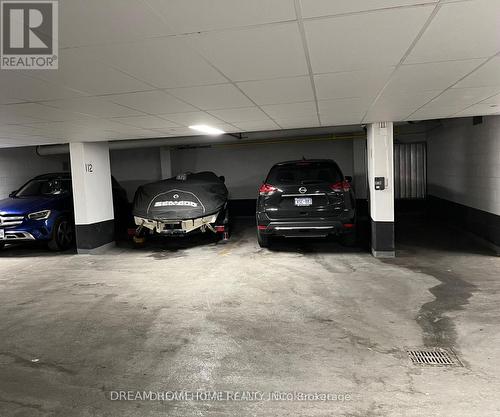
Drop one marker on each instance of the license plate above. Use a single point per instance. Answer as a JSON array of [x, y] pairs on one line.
[[2, 234], [303, 201]]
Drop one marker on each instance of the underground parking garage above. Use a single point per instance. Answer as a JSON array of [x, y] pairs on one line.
[[250, 208]]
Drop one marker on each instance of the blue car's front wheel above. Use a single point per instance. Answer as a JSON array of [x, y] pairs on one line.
[[63, 235]]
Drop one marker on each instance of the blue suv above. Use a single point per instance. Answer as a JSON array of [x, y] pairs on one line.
[[42, 210]]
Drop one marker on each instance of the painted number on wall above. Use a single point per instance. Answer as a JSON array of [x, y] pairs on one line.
[[89, 168]]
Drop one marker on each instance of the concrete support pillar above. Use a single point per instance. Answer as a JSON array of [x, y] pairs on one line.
[[92, 196], [165, 162], [381, 187]]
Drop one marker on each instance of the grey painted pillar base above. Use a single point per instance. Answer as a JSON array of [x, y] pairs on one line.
[[96, 251], [95, 237], [383, 253], [383, 239]]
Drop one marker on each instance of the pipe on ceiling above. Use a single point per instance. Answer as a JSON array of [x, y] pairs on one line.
[[328, 133]]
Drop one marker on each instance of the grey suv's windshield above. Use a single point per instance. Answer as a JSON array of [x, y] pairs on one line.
[[45, 187]]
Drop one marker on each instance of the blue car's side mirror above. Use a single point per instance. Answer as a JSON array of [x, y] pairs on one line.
[[13, 194]]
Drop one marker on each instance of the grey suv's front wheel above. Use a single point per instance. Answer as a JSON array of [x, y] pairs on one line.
[[63, 235]]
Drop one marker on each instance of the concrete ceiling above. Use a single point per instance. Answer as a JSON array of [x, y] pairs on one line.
[[150, 68]]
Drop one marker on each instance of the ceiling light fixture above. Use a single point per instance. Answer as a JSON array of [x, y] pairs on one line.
[[208, 130]]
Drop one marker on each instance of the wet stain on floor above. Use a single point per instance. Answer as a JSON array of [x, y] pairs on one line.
[[451, 295]]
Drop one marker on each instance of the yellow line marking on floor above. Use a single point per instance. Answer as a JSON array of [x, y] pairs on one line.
[[225, 252]]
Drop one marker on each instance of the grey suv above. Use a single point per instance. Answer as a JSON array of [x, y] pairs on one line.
[[306, 198]]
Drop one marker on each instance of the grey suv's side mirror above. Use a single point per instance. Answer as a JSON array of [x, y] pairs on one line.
[[348, 178]]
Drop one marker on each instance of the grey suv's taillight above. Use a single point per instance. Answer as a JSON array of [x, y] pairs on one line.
[[266, 189]]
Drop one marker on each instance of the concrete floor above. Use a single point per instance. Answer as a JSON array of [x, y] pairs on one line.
[[306, 316]]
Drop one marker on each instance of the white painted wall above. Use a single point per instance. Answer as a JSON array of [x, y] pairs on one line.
[[464, 162], [18, 165], [92, 194], [246, 166], [134, 167]]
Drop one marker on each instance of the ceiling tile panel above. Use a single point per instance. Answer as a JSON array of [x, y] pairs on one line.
[[431, 76], [174, 131], [152, 102], [464, 96], [13, 115], [16, 87], [186, 16], [151, 68], [305, 109], [94, 106], [42, 112], [77, 71], [481, 108], [298, 122], [266, 124], [453, 101], [146, 122], [315, 8], [344, 111], [94, 22], [460, 30], [278, 90], [360, 42], [192, 118], [212, 97], [351, 84], [488, 74], [492, 100], [256, 53], [383, 114], [183, 131], [162, 63], [398, 104], [244, 114]]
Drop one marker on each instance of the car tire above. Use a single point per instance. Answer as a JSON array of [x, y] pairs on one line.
[[348, 239], [139, 242], [263, 240], [2, 245], [63, 235]]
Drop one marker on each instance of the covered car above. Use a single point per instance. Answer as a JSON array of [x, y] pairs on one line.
[[181, 204]]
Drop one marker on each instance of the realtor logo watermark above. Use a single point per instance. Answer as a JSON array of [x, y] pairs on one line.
[[29, 34]]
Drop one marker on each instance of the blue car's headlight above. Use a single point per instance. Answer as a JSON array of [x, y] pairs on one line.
[[39, 215]]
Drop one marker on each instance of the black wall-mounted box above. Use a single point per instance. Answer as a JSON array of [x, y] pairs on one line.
[[379, 183]]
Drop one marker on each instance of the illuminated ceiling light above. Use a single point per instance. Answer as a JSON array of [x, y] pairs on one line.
[[208, 130]]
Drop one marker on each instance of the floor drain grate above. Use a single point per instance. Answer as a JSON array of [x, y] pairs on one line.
[[433, 357]]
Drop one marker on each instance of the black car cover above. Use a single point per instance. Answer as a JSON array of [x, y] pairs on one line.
[[187, 196]]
